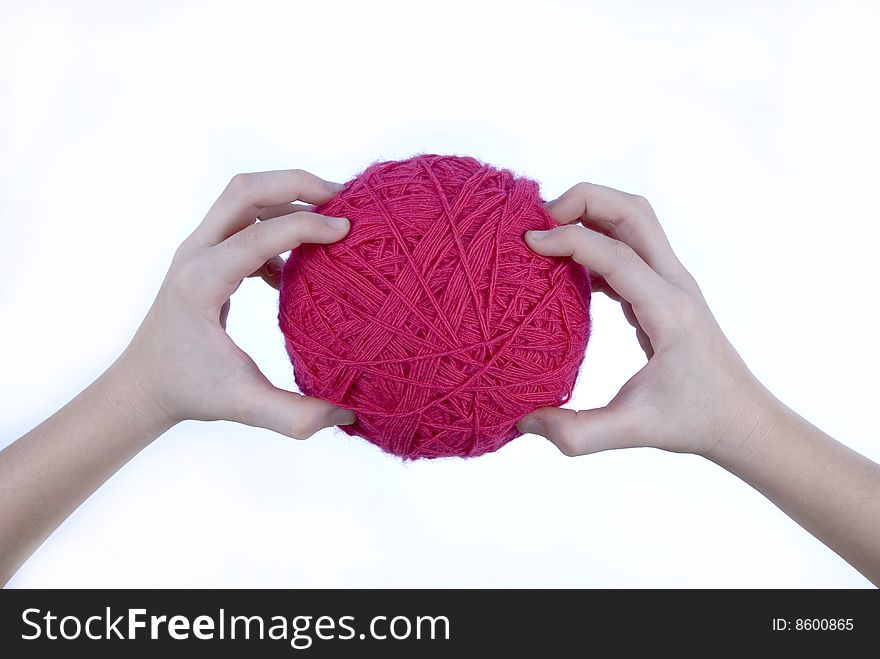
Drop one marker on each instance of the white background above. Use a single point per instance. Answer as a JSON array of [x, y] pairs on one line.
[[751, 126]]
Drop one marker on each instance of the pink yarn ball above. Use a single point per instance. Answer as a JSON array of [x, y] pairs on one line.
[[432, 320]]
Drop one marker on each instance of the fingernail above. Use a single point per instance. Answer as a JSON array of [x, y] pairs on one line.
[[342, 417], [338, 223], [537, 235], [530, 424]]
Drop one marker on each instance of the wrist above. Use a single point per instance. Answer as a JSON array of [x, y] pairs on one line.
[[750, 430], [134, 402]]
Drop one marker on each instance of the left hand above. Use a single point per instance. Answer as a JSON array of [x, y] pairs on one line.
[[695, 394]]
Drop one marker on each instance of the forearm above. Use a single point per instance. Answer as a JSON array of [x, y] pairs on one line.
[[50, 471], [829, 489]]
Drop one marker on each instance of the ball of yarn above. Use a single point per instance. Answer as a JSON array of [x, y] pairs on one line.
[[432, 320]]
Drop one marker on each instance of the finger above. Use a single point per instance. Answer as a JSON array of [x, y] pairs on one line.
[[625, 217], [599, 285], [644, 341], [583, 432], [271, 272], [283, 209], [290, 413], [247, 250], [247, 194], [618, 264], [272, 266], [274, 282]]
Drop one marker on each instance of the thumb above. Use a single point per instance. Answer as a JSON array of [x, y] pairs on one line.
[[292, 414], [580, 432]]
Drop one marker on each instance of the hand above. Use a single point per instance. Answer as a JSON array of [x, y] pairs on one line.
[[695, 394], [182, 356]]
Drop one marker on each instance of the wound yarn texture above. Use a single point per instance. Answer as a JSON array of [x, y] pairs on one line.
[[432, 320]]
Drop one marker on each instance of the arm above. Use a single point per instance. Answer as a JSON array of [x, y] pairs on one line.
[[695, 394], [826, 487], [180, 365], [47, 473]]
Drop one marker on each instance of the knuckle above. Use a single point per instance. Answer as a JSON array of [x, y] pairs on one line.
[[300, 430], [183, 253], [581, 188], [641, 213], [691, 283], [566, 447], [569, 232], [624, 255], [641, 205], [185, 276], [298, 179], [569, 434], [571, 239], [689, 313], [252, 236], [241, 184]]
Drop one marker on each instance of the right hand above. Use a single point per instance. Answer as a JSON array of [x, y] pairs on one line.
[[695, 394], [182, 362]]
